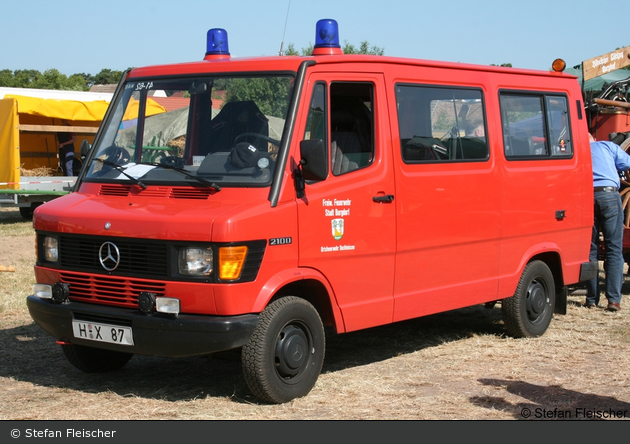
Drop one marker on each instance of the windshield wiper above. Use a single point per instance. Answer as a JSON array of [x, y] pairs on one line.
[[182, 171], [122, 171]]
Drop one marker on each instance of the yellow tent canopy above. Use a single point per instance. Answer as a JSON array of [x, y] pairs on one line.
[[70, 110], [29, 126]]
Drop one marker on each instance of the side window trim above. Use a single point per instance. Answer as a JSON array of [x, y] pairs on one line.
[[535, 134], [441, 123], [352, 134]]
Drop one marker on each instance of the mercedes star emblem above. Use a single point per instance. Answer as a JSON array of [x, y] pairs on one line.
[[109, 256]]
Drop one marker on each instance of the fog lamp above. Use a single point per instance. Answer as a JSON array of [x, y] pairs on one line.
[[42, 291], [167, 305]]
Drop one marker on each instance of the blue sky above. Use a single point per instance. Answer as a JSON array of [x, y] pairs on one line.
[[77, 36]]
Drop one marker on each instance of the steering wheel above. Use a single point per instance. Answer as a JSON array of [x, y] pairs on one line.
[[113, 155], [116, 154], [257, 136]]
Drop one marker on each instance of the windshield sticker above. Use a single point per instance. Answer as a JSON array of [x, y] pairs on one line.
[[135, 171]]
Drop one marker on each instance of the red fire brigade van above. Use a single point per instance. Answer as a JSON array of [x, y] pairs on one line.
[[288, 193]]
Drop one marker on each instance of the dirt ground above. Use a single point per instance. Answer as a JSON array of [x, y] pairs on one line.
[[16, 249], [456, 365]]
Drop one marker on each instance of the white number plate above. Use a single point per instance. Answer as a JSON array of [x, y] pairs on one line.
[[92, 331]]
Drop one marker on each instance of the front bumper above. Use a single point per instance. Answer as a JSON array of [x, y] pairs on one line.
[[157, 335]]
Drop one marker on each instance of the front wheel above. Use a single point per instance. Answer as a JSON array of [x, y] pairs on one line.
[[528, 313], [285, 354], [94, 360]]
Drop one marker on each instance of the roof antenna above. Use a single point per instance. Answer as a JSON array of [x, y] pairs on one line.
[[285, 29]]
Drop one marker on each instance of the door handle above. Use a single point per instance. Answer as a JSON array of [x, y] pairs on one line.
[[387, 198]]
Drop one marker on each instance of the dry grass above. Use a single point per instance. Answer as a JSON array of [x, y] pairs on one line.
[[457, 365]]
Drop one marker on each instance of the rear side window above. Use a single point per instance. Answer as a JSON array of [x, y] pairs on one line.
[[441, 124], [535, 125]]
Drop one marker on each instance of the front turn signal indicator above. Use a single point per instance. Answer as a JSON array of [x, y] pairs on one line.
[[231, 261]]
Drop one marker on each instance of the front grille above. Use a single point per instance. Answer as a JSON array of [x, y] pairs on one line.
[[121, 292], [137, 257]]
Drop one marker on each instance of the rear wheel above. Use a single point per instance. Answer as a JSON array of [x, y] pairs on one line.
[[94, 360], [528, 313], [27, 212], [284, 356]]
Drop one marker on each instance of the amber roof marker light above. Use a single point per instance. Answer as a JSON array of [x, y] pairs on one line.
[[558, 65]]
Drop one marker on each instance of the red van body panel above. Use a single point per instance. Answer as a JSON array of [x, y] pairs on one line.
[[453, 234]]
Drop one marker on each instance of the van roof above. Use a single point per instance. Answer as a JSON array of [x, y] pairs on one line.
[[292, 63]]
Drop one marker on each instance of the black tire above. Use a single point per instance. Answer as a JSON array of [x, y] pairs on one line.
[[528, 313], [95, 360], [285, 354], [27, 212]]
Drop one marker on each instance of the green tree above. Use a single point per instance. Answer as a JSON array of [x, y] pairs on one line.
[[269, 93], [88, 79], [348, 48], [25, 78], [107, 77], [291, 51], [6, 78], [77, 82], [364, 48], [50, 79], [53, 79]]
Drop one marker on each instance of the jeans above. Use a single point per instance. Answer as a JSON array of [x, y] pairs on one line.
[[609, 218], [66, 157]]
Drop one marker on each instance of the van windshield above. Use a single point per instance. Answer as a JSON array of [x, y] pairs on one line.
[[219, 130]]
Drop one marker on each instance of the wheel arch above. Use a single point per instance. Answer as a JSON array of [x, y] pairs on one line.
[[307, 284], [554, 262]]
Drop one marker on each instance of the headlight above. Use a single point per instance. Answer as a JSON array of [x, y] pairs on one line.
[[195, 261], [51, 250]]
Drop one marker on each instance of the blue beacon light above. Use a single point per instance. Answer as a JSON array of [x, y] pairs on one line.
[[217, 44], [327, 38]]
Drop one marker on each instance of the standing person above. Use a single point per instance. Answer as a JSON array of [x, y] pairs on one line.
[[608, 160], [66, 151]]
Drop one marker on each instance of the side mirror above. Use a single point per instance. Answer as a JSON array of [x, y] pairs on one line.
[[85, 149], [314, 163]]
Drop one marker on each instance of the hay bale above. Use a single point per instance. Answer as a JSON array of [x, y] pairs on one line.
[[36, 172]]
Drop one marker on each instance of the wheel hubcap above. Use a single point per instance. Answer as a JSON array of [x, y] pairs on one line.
[[536, 301], [292, 351]]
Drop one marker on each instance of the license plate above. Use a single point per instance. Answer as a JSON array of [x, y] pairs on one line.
[[92, 331]]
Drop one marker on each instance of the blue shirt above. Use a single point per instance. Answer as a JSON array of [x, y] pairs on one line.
[[608, 159]]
